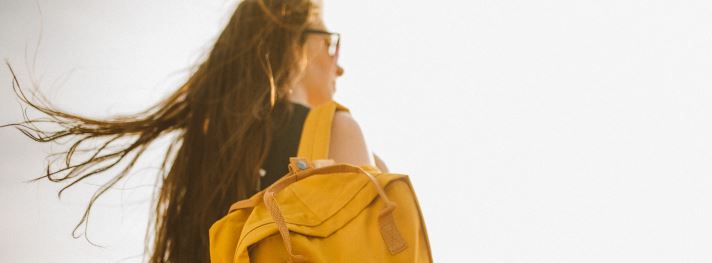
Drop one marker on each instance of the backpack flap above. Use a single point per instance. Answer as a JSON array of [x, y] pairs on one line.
[[315, 206]]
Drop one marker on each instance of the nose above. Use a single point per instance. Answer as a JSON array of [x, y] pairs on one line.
[[339, 70]]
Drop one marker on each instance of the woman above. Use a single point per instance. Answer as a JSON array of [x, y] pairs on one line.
[[237, 119]]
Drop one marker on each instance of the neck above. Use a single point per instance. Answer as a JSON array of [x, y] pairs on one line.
[[298, 95]]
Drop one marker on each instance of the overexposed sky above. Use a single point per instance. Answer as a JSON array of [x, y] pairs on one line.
[[533, 131]]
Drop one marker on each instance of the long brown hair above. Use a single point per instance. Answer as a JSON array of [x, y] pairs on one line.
[[222, 116]]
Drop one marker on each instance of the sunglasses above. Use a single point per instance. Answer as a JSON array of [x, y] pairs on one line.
[[333, 40]]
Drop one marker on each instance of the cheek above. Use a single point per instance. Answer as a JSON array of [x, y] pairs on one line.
[[319, 76]]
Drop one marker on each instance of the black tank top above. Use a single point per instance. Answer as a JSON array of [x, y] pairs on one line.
[[285, 143]]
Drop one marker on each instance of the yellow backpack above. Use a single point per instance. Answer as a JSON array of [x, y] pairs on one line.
[[336, 213]]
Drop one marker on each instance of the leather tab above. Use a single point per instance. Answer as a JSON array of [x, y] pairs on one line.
[[297, 164], [389, 231]]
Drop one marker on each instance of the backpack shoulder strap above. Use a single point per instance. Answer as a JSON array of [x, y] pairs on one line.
[[313, 144], [316, 133]]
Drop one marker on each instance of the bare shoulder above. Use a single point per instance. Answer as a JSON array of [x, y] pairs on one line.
[[348, 144]]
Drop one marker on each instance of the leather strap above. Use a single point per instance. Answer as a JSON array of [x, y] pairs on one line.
[[247, 203]]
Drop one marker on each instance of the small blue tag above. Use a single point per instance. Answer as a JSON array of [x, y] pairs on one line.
[[301, 165]]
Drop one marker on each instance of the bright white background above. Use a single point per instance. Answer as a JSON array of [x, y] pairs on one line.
[[534, 131]]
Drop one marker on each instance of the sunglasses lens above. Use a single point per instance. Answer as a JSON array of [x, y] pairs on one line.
[[334, 44], [332, 41]]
